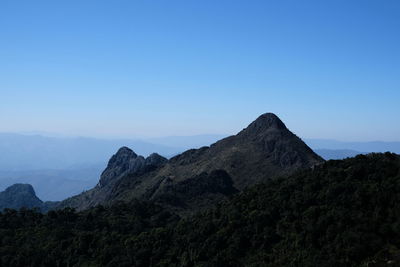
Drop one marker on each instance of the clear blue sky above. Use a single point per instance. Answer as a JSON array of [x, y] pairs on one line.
[[329, 69]]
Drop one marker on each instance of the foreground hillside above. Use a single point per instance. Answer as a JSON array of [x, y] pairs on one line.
[[341, 213]]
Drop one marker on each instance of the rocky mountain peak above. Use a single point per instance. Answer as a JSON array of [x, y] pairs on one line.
[[266, 122], [125, 152], [265, 150]]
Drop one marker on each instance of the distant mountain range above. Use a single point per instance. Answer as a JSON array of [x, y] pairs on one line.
[[76, 163], [55, 184], [328, 154], [34, 152], [186, 142], [376, 146], [332, 149]]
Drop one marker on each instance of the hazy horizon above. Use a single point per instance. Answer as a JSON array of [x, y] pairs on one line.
[[146, 138], [59, 167]]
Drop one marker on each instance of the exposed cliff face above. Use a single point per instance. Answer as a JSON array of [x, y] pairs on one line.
[[19, 196], [264, 150], [125, 161]]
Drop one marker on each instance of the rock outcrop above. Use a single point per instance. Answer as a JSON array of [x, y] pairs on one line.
[[125, 161]]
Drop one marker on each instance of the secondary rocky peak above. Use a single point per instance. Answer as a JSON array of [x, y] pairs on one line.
[[125, 161], [123, 155], [117, 165]]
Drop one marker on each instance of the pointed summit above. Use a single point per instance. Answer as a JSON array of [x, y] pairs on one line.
[[264, 125], [266, 121], [270, 120], [264, 150]]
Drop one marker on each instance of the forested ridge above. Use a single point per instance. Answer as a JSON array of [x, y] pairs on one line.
[[340, 213]]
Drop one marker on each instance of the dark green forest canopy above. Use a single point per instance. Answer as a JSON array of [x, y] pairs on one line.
[[341, 213]]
